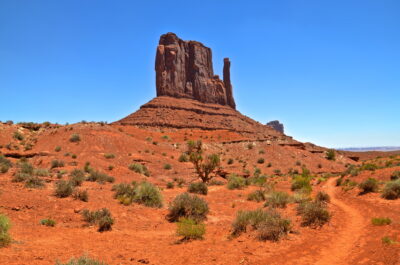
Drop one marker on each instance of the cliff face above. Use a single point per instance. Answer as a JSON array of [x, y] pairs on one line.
[[277, 126], [184, 70]]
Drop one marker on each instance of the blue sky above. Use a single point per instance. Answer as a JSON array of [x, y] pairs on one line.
[[329, 70]]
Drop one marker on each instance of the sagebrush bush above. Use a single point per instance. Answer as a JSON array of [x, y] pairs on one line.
[[368, 185], [391, 191], [369, 166], [41, 172], [139, 168], [84, 260], [100, 177], [268, 224], [170, 185], [395, 175], [57, 149], [80, 195], [34, 182], [198, 187], [381, 221], [167, 166], [188, 206], [313, 214], [236, 182], [277, 199], [77, 177], [56, 163], [5, 238], [48, 222], [63, 189], [5, 164], [300, 197], [330, 154], [257, 195], [75, 138], [257, 181], [322, 197], [18, 136], [109, 156], [183, 158], [190, 229], [148, 195], [102, 218]]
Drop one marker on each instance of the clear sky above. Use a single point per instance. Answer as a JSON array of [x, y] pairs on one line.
[[329, 70]]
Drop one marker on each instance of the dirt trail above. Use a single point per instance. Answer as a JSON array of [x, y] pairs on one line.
[[347, 236]]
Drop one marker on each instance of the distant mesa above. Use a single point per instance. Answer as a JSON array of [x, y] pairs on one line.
[[184, 69], [277, 126]]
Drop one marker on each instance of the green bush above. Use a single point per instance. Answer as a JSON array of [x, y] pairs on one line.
[[75, 138], [77, 177], [34, 182], [148, 195], [109, 156], [84, 260], [48, 222], [18, 136], [56, 163], [190, 229], [5, 164], [277, 199], [322, 197], [63, 189], [101, 217], [330, 154], [369, 166], [369, 185], [302, 183], [100, 177], [300, 197], [257, 181], [204, 165], [183, 158], [5, 238], [391, 191], [257, 195], [269, 224], [80, 195], [57, 148], [198, 187], [395, 175], [139, 168], [41, 172], [170, 185], [188, 206], [167, 166], [236, 182], [313, 214], [381, 221]]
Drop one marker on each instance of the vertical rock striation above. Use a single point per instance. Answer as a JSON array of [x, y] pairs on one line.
[[184, 70]]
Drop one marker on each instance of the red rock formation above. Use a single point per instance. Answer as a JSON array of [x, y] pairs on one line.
[[184, 70]]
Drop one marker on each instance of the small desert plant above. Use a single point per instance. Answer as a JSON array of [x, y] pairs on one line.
[[139, 168], [41, 172], [183, 158], [34, 182], [87, 168], [80, 195], [301, 183], [269, 224], [257, 195], [322, 197], [5, 164], [101, 217], [215, 182], [75, 138], [381, 221], [5, 238], [100, 177], [391, 191], [18, 136], [190, 229], [369, 166], [330, 154], [48, 222], [189, 206], [56, 163], [250, 146], [77, 177], [257, 181], [57, 148], [203, 166], [261, 161], [109, 156], [198, 187], [277, 199], [236, 182], [63, 189], [387, 240], [230, 161], [369, 185], [395, 175], [148, 195], [300, 197], [170, 185], [313, 214], [167, 166]]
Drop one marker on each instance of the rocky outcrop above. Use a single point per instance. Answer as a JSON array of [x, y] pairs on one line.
[[184, 70], [277, 126]]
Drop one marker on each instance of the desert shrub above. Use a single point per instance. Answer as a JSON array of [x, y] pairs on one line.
[[269, 224], [215, 182], [87, 168], [339, 181], [204, 166], [198, 187], [5, 225], [300, 197], [48, 222], [387, 240], [236, 182], [148, 195], [188, 206], [395, 175], [313, 214], [368, 185], [77, 177], [190, 229], [101, 217], [261, 152], [80, 195], [260, 161], [109, 156], [369, 166], [257, 195], [18, 136], [124, 189], [75, 138], [391, 191], [183, 158], [330, 154], [139, 168], [41, 172], [110, 167], [100, 177], [250, 146], [5, 164], [301, 183], [277, 199], [34, 182], [63, 189], [381, 221], [56, 163], [167, 166], [257, 181], [57, 148], [179, 181], [170, 185], [322, 197]]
